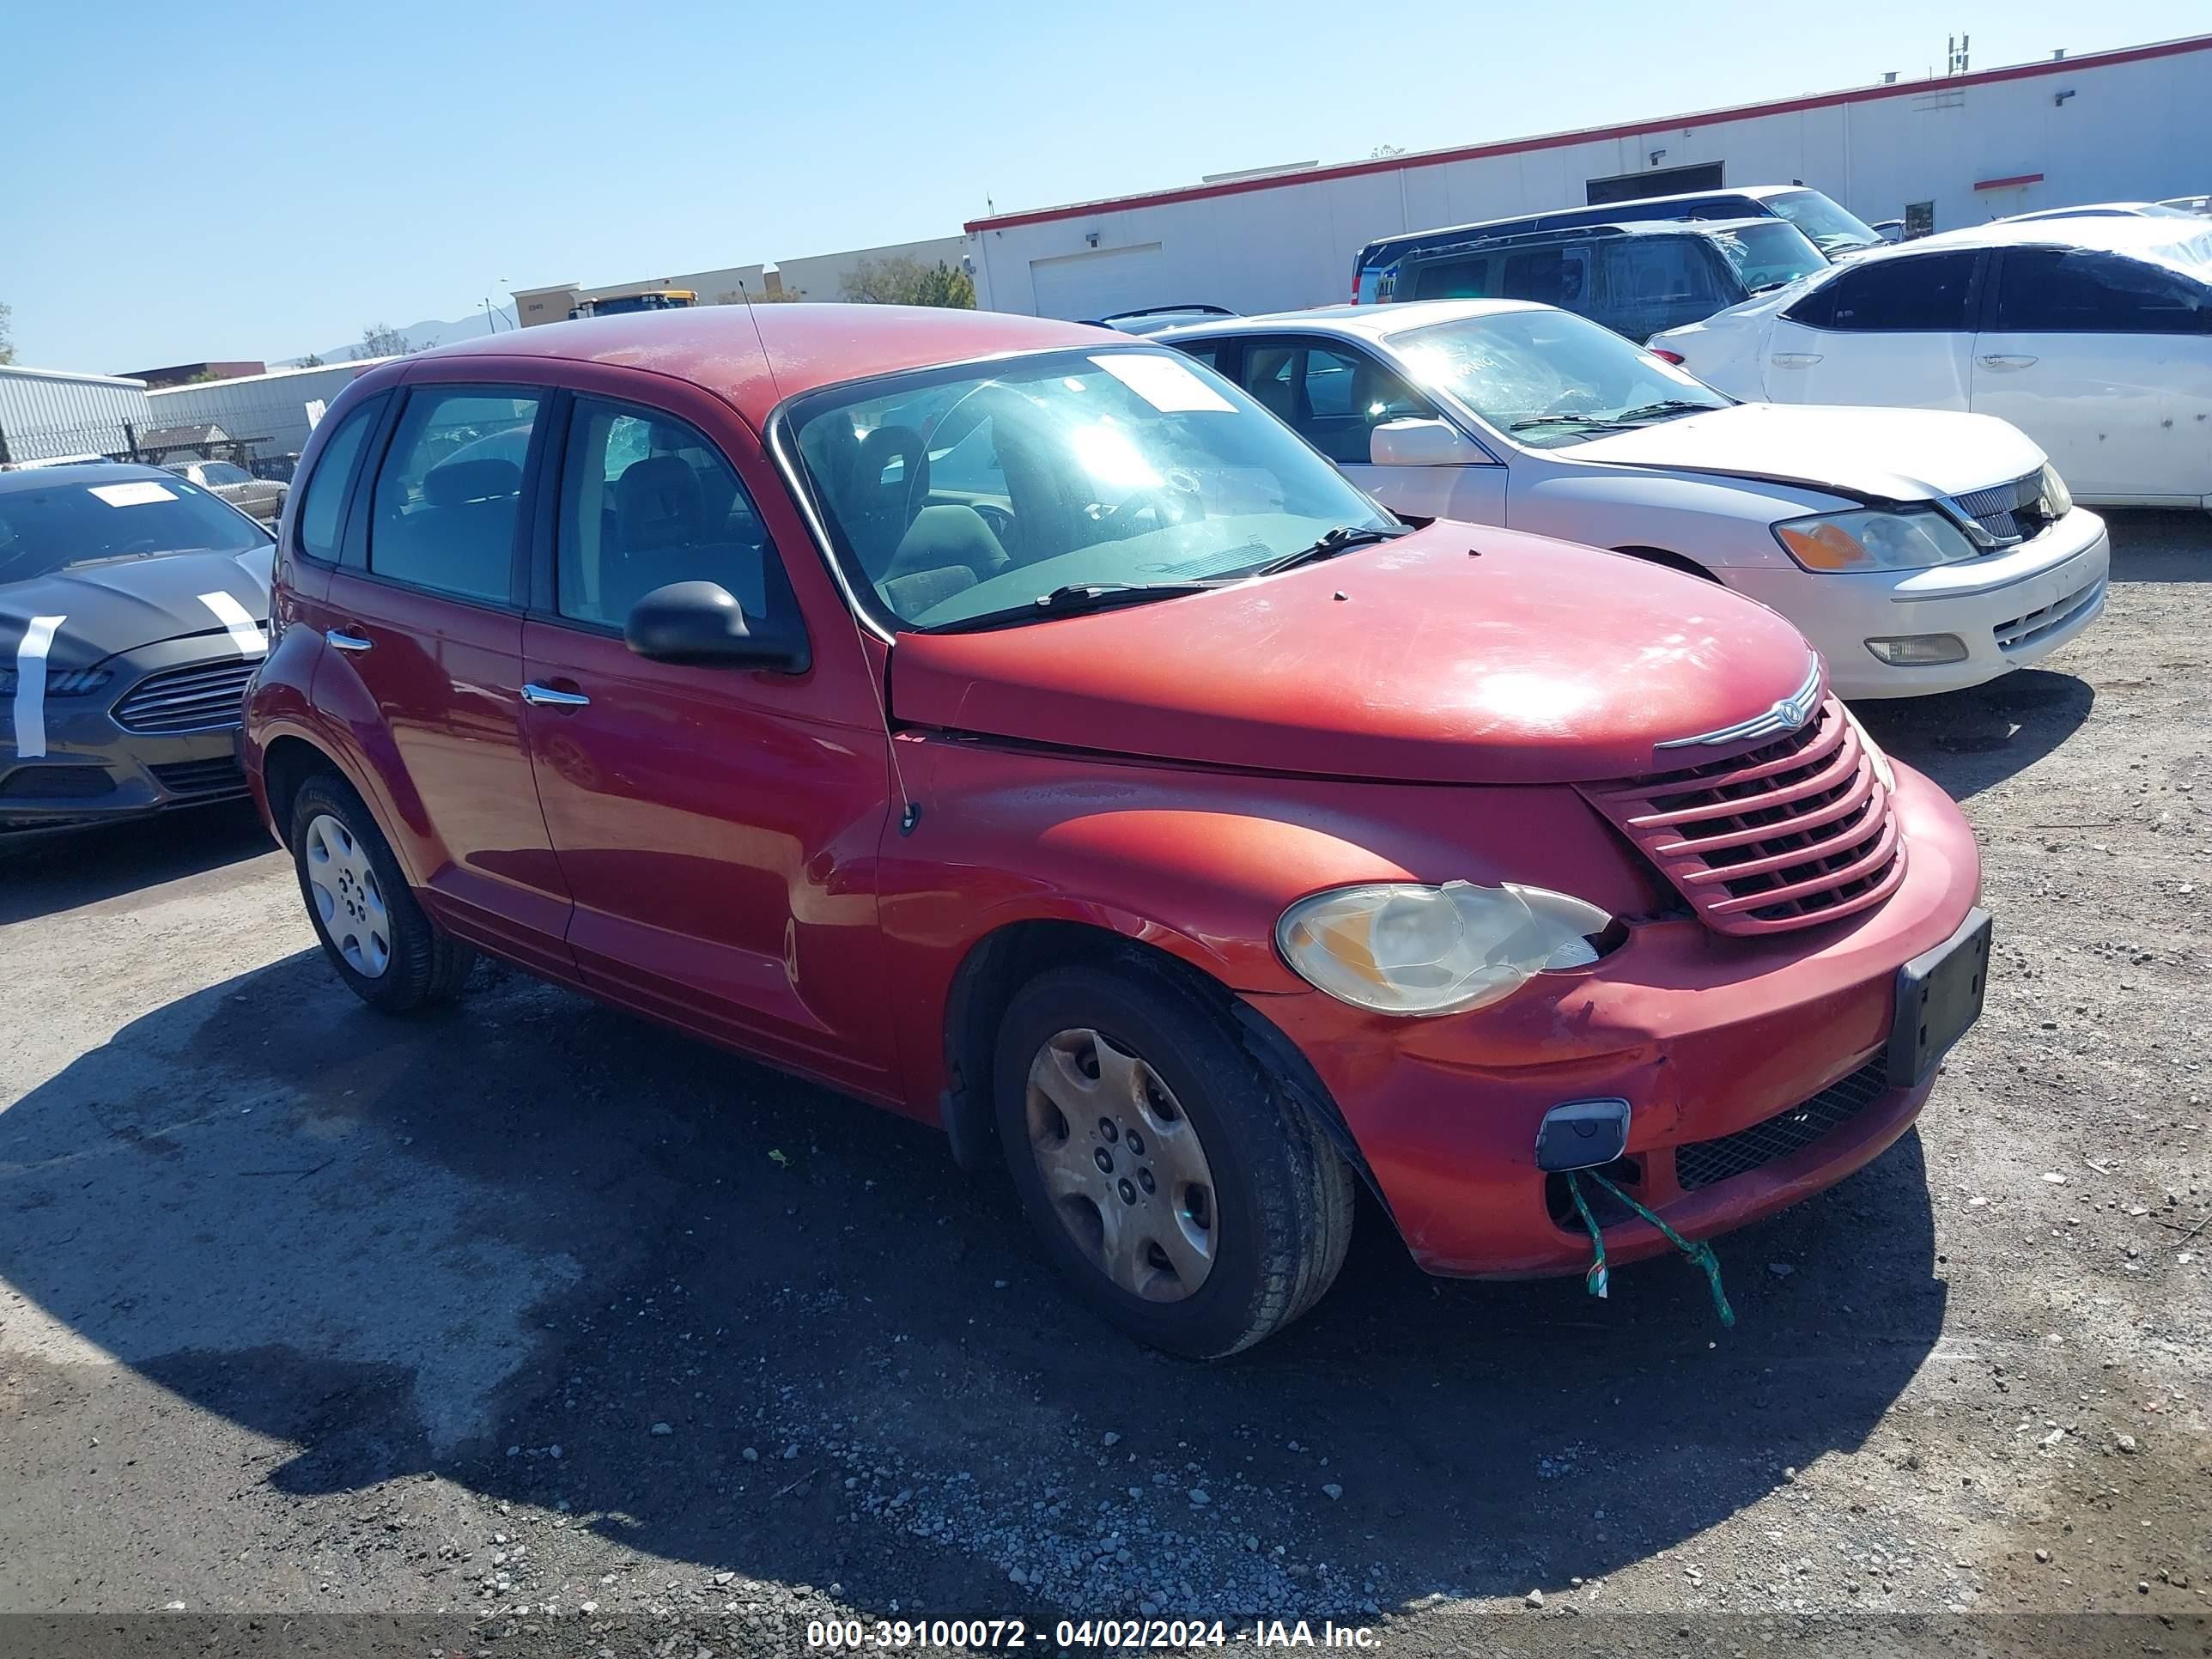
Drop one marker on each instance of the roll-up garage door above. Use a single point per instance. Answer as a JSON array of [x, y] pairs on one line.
[[1101, 281]]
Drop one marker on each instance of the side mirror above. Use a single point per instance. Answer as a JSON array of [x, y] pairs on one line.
[[1426, 442], [699, 623]]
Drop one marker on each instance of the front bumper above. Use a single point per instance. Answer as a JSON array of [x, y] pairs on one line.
[[2009, 608], [1711, 1039], [95, 769]]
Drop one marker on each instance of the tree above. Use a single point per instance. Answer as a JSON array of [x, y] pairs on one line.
[[900, 281], [382, 340], [310, 361], [7, 340]]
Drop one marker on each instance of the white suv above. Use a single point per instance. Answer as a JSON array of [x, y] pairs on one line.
[[1921, 551]]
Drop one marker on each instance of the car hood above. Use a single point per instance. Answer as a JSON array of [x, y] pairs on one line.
[[1892, 454], [1456, 655], [127, 602]]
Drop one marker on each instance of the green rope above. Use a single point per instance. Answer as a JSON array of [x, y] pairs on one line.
[[1594, 1281], [1700, 1253]]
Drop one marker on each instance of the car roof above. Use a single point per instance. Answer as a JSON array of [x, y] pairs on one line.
[[1753, 193], [77, 472], [1370, 323], [2153, 238], [1479, 235], [756, 356]]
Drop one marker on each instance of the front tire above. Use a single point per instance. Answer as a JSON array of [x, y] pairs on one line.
[[1182, 1192], [390, 954]]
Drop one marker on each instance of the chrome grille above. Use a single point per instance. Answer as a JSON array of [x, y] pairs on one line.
[[2062, 613], [2013, 512], [1794, 832], [203, 697], [1706, 1162]]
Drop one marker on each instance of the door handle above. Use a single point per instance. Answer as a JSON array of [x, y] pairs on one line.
[[345, 642], [2002, 360], [545, 696], [1795, 359]]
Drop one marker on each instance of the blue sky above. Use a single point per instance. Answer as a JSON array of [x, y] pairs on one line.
[[235, 180]]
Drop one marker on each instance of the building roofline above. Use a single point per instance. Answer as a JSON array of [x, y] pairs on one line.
[[1430, 158], [71, 374], [355, 363]]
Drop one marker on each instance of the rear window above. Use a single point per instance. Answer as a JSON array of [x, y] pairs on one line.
[[75, 521]]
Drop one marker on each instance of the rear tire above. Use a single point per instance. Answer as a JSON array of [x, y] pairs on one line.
[[389, 953], [1186, 1196]]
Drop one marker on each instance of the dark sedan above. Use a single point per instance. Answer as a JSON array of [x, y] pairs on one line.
[[134, 607]]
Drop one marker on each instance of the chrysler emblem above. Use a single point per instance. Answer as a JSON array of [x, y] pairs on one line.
[[1786, 716]]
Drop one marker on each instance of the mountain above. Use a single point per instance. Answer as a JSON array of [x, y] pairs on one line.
[[423, 335]]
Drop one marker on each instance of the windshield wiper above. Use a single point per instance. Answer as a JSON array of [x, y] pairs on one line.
[[1664, 407], [1564, 420], [1072, 600], [1341, 539]]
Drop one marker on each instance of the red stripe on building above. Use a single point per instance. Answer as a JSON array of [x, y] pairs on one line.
[[1596, 135], [2007, 184]]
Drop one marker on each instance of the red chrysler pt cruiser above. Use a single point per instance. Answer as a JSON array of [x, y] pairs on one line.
[[1016, 725]]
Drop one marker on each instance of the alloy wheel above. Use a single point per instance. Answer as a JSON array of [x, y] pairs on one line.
[[1122, 1165]]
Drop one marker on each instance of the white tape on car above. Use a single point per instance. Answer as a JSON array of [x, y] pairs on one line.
[[31, 687], [245, 632]]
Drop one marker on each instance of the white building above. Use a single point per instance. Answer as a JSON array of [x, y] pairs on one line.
[[273, 414], [2126, 125], [55, 415], [813, 277]]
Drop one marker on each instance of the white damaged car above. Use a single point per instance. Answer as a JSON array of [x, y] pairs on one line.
[[1920, 551]]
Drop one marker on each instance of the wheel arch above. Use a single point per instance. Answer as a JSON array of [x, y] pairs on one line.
[[1673, 560], [287, 763], [1002, 960]]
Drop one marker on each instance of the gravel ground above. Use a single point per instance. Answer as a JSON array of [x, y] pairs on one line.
[[547, 1321]]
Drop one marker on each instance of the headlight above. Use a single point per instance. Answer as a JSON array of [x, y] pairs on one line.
[[2057, 499], [1880, 761], [1400, 948], [1874, 541], [60, 683]]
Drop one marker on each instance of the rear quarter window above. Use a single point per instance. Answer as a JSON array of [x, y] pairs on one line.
[[322, 508]]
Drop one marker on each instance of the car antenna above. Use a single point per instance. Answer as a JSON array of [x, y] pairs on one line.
[[909, 808]]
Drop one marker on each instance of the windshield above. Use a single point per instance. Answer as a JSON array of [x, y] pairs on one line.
[[1830, 228], [1768, 253], [58, 526], [959, 493], [1550, 378]]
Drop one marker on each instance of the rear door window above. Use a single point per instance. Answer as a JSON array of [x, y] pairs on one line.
[[1464, 278], [1555, 276], [2076, 290], [448, 497], [1640, 273], [1922, 294]]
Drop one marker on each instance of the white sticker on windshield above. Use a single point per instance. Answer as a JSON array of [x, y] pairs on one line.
[[142, 493], [1165, 383]]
